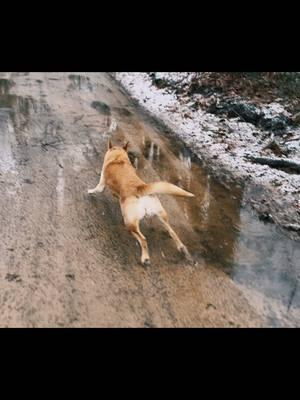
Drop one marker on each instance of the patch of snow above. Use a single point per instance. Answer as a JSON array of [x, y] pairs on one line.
[[273, 109]]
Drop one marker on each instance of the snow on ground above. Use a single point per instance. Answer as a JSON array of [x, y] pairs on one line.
[[203, 133]]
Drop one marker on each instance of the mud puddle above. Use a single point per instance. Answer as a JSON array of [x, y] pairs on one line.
[[257, 255]]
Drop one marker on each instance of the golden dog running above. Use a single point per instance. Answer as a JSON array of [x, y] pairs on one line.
[[136, 197]]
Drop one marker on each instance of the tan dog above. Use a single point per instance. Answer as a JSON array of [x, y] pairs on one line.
[[136, 197]]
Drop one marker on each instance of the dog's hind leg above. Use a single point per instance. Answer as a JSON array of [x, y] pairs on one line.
[[132, 214], [101, 185], [163, 216], [135, 231]]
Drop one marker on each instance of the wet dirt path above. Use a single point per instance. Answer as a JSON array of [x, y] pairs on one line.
[[66, 258]]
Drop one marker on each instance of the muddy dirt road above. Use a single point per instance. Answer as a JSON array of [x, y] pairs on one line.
[[66, 258]]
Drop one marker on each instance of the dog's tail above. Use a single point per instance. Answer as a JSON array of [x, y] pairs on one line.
[[163, 188]]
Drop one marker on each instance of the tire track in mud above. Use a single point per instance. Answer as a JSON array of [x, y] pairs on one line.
[[44, 190]]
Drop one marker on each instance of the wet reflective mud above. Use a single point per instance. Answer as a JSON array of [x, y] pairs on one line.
[[66, 258]]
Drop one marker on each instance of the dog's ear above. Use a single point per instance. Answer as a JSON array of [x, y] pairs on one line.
[[125, 147], [109, 145]]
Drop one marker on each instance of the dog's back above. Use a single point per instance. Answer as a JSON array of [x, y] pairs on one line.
[[121, 178]]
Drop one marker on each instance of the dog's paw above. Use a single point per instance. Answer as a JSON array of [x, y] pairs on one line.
[[183, 250], [192, 262], [91, 191], [146, 262]]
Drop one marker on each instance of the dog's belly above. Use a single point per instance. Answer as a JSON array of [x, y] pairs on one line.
[[148, 206]]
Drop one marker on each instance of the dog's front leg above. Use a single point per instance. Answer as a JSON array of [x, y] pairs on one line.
[[101, 185]]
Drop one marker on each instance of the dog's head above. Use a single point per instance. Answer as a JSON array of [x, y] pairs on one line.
[[110, 147], [116, 152]]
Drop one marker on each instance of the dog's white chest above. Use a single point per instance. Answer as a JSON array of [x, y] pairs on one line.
[[148, 205]]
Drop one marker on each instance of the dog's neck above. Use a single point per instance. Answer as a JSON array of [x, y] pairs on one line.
[[119, 159]]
